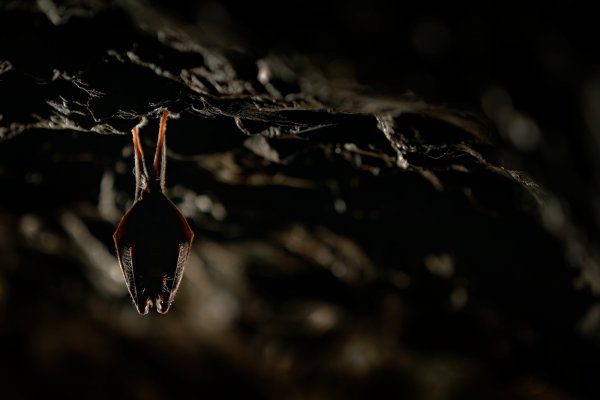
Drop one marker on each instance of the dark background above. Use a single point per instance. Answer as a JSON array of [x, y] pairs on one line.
[[389, 200]]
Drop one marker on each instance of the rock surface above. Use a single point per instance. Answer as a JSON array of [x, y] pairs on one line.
[[387, 202]]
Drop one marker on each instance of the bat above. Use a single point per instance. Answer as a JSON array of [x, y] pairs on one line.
[[153, 238]]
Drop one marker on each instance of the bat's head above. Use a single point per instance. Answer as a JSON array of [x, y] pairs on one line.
[[154, 291]]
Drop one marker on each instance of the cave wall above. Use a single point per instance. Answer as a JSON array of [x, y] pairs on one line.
[[388, 201]]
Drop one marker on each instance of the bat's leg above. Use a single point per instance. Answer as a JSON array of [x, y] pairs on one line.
[[160, 160], [141, 174]]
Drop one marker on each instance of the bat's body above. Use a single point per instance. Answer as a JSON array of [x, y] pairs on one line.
[[153, 238]]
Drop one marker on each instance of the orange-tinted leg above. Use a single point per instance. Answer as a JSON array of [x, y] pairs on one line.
[[141, 175], [160, 161]]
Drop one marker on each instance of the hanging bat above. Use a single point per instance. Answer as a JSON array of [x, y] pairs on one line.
[[153, 239]]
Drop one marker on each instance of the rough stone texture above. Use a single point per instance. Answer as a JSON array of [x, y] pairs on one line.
[[387, 202]]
